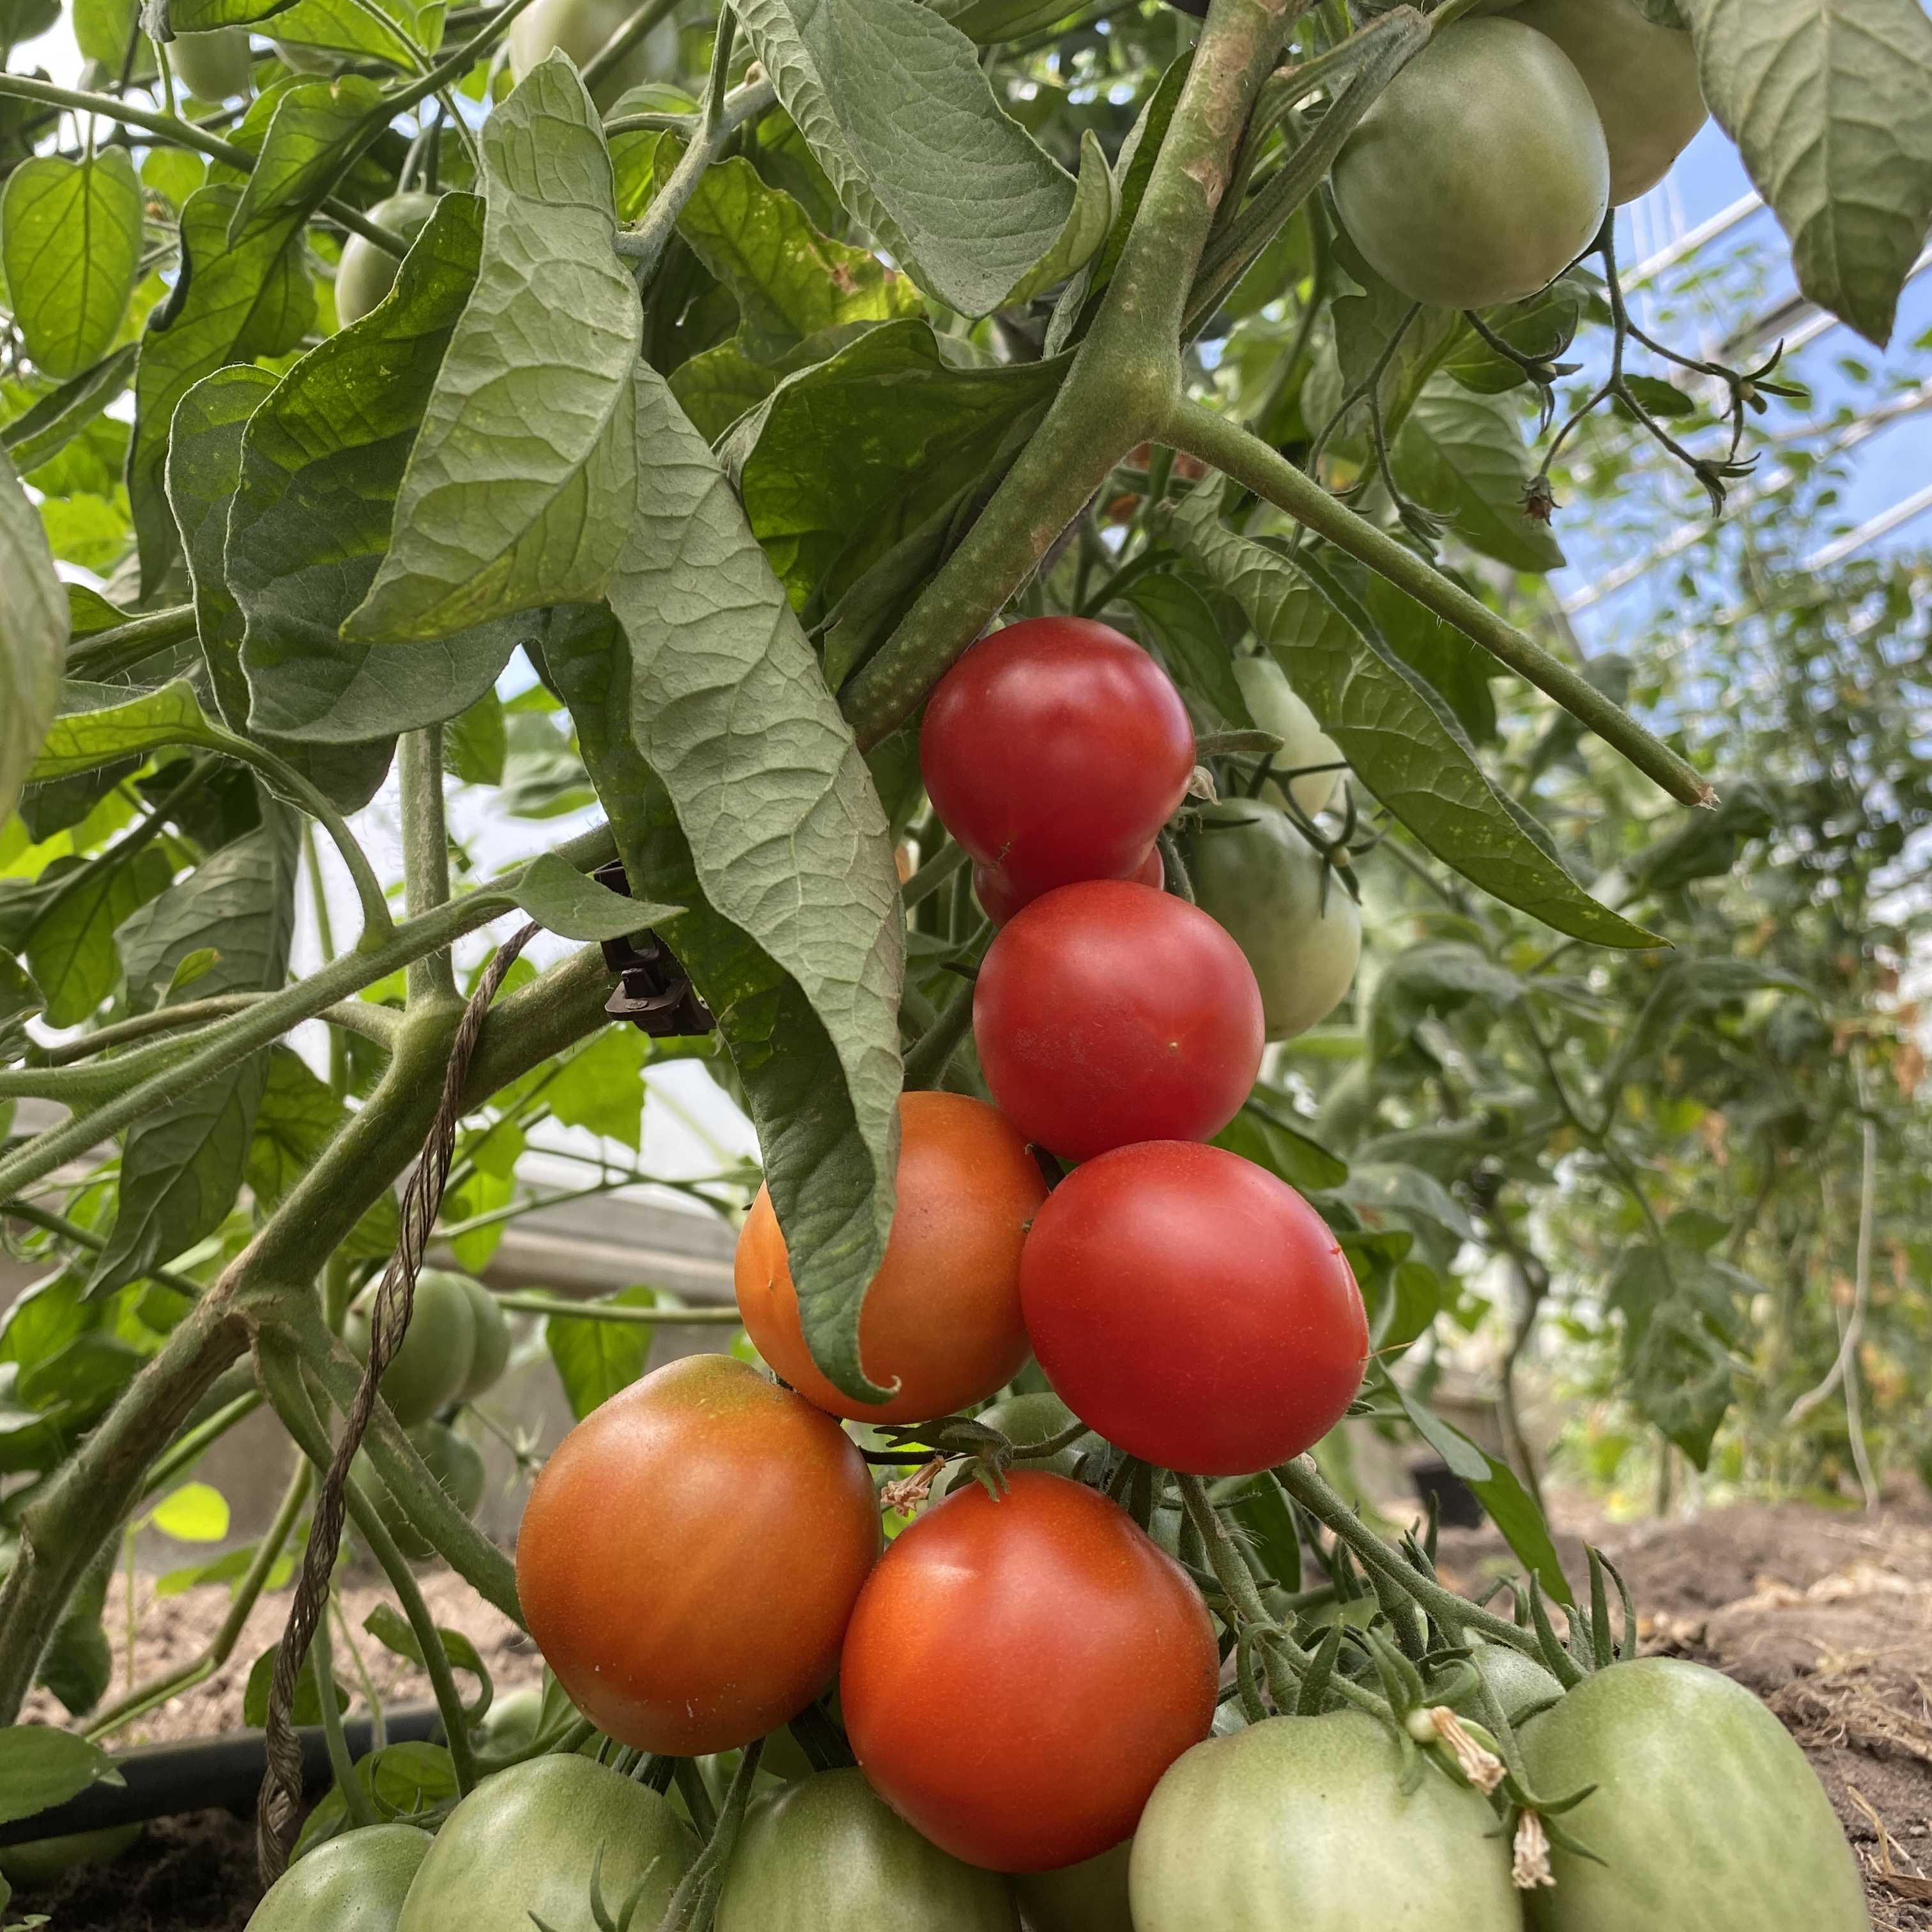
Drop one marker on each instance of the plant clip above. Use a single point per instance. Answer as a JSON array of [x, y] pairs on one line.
[[654, 992]]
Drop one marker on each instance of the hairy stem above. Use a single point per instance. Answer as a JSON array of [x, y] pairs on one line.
[[432, 979]]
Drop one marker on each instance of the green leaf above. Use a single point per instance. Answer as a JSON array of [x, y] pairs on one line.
[[1543, 326], [491, 519], [339, 26], [475, 741], [195, 1513], [135, 725], [1264, 1511], [896, 108], [230, 304], [1510, 1505], [182, 1166], [307, 1698], [559, 897], [297, 1118], [1462, 454], [78, 1666], [1441, 976], [392, 1629], [70, 245], [730, 711], [1831, 103], [1682, 1319], [1397, 736], [850, 455], [790, 281], [322, 461], [1378, 1189], [1263, 1133], [1197, 653], [41, 433], [601, 1087], [34, 632], [69, 949], [596, 1359], [40, 1767], [21, 21], [318, 130]]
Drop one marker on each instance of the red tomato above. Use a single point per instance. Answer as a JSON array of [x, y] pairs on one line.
[[942, 1316], [1107, 1013], [1019, 1672], [690, 1555], [1055, 749], [1193, 1309], [999, 900]]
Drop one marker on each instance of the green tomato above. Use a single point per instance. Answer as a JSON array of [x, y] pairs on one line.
[[433, 1364], [353, 1883], [1255, 873], [826, 1855], [1025, 1419], [458, 1466], [1090, 1896], [1522, 1686], [1480, 173], [580, 27], [511, 1720], [367, 273], [1299, 1825], [491, 1354], [1643, 77], [299, 59], [1274, 706], [38, 1860], [1705, 1813], [216, 66], [520, 1848]]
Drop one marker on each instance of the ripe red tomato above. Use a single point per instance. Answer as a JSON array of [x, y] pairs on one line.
[[1107, 1013], [999, 899], [1193, 1309], [942, 1316], [1020, 1672], [1055, 749], [690, 1555]]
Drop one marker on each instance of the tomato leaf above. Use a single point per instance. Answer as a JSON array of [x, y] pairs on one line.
[[391, 1629], [900, 114], [491, 521], [559, 897], [308, 1696], [1462, 454], [595, 1359], [1397, 735], [33, 639], [70, 949], [71, 246], [40, 1767], [1831, 102]]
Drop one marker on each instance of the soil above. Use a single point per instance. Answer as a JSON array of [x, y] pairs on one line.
[[1827, 1616]]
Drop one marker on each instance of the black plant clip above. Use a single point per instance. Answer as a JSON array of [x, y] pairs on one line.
[[654, 992]]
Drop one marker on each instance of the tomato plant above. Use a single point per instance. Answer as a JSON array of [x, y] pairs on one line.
[[366, 274], [215, 66], [1090, 1897], [433, 1367], [826, 1855], [1193, 1309], [354, 1883], [525, 1842], [1108, 1012], [1307, 751], [1019, 1672], [999, 901], [1303, 1823], [1054, 750], [942, 1320], [756, 1515], [458, 1466]]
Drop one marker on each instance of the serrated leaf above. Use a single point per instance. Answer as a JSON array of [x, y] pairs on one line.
[[321, 462], [40, 1767], [790, 281], [1397, 736], [595, 1360], [896, 108], [71, 246], [559, 897], [850, 456], [600, 1088], [229, 304], [39, 433], [730, 711], [1462, 455], [33, 630], [491, 520], [195, 1513], [1831, 103]]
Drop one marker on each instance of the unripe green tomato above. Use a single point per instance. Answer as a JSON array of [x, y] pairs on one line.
[[1090, 1896], [1523, 1686], [367, 273], [491, 1354], [457, 1467], [1481, 171], [1255, 873], [1300, 1824], [518, 1851], [580, 27], [39, 1860], [1027, 1419], [826, 1855], [353, 1883], [1705, 1813], [1643, 78], [212, 67], [511, 1720], [1275, 705], [433, 1364]]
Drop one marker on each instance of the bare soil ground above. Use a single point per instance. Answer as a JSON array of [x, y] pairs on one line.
[[1827, 1616]]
